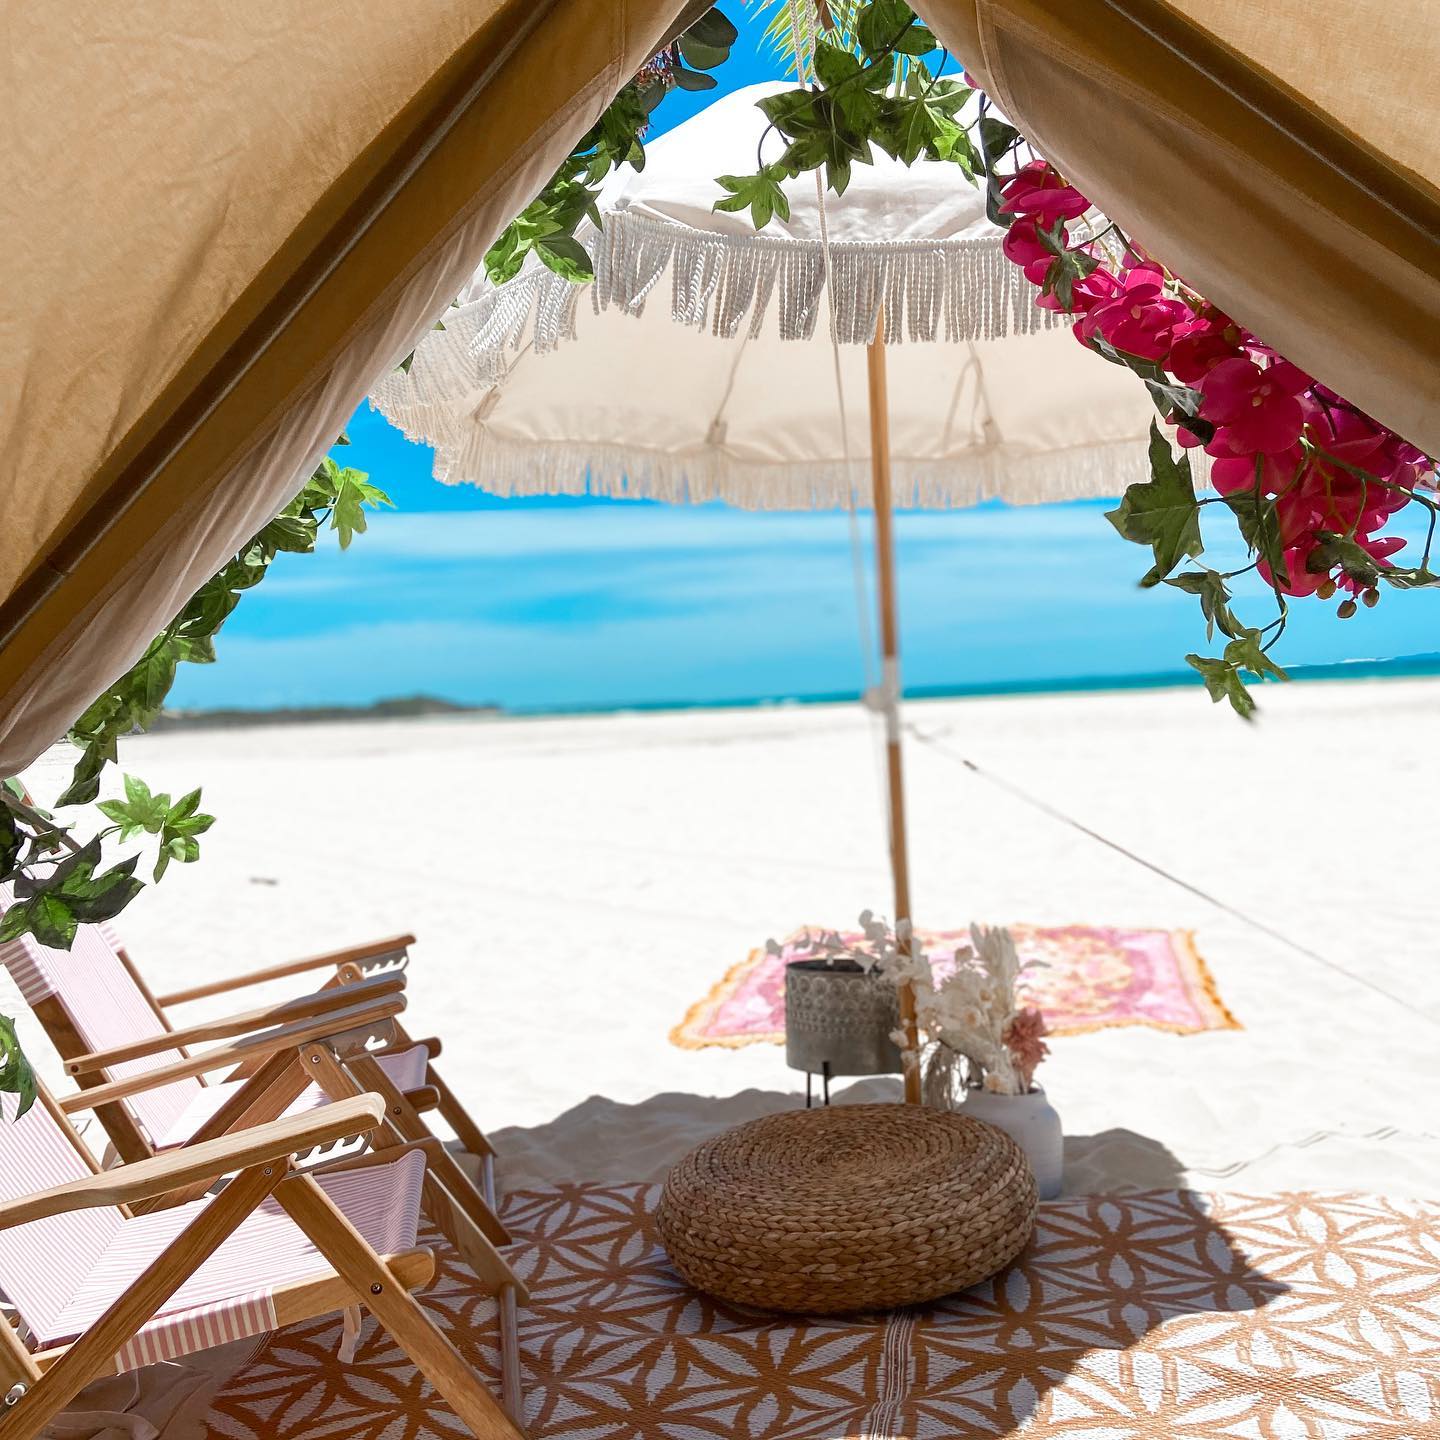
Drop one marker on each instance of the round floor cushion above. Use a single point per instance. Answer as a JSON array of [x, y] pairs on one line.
[[859, 1207]]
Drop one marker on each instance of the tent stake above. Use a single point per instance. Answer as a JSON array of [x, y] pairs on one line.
[[890, 681]]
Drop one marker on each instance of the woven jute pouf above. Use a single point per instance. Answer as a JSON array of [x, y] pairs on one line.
[[860, 1207]]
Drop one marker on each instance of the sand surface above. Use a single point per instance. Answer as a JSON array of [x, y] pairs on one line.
[[577, 883]]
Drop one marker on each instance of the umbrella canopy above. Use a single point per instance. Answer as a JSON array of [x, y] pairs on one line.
[[699, 365]]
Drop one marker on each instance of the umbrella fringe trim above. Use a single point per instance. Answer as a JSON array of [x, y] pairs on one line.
[[503, 467], [951, 290]]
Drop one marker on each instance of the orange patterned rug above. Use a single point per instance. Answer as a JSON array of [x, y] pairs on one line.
[[1157, 1317], [1091, 977]]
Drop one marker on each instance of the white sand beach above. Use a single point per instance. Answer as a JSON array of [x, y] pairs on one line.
[[577, 883]]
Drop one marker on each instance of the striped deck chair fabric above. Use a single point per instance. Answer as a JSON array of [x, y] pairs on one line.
[[62, 1273], [107, 1008]]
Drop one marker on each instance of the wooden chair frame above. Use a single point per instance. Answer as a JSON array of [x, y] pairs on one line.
[[40, 1385], [387, 956], [130, 1141], [328, 1045]]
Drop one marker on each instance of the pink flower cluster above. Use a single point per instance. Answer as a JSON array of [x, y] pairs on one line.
[[1330, 469]]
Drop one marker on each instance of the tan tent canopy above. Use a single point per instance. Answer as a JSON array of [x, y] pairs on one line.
[[222, 223]]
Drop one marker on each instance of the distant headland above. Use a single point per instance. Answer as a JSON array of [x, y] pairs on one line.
[[407, 707]]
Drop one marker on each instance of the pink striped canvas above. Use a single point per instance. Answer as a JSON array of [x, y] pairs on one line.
[[106, 1007], [406, 1069], [64, 1272]]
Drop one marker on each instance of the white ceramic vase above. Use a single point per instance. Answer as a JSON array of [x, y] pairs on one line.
[[1032, 1123]]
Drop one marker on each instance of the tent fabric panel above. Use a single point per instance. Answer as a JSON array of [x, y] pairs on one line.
[[157, 157], [226, 477], [1256, 197], [1365, 65]]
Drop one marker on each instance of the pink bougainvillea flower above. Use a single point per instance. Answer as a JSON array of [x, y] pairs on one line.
[[1037, 190], [1348, 436], [1140, 319], [1297, 580], [1231, 473], [1085, 294], [1022, 245], [1253, 410], [1200, 344], [1402, 454], [1343, 502]]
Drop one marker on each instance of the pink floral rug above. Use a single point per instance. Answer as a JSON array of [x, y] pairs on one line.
[[1096, 977]]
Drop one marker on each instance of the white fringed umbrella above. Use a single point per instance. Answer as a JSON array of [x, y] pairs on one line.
[[709, 362]]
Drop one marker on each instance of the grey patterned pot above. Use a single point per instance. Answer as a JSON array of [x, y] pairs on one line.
[[838, 1019]]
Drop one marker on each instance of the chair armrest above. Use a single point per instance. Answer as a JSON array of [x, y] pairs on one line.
[[373, 1017], [320, 1002], [208, 1160], [333, 959]]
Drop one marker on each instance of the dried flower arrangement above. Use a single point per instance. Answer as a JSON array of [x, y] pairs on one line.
[[974, 1033], [980, 1037], [877, 953]]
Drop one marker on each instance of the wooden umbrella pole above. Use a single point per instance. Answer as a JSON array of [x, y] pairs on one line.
[[890, 682]]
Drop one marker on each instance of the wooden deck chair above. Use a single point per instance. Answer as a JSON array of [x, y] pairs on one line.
[[106, 1026], [321, 1057], [99, 1289], [389, 955]]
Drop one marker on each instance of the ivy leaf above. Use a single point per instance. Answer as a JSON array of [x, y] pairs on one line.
[[761, 194], [996, 140], [49, 919], [1067, 267], [1214, 596], [85, 778], [1260, 526], [884, 25], [835, 65], [1225, 678], [178, 847], [1224, 682], [94, 898], [16, 1076], [1161, 512], [1245, 653], [154, 676], [12, 841], [793, 112], [914, 128], [503, 262], [841, 74], [567, 257], [288, 533], [15, 921], [138, 812], [353, 492]]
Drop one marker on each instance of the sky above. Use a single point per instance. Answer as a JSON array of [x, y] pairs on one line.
[[558, 604]]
